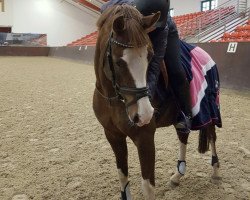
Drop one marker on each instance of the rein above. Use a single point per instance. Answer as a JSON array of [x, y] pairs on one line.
[[136, 93]]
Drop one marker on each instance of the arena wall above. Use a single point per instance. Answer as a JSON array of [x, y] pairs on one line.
[[78, 54], [24, 51], [234, 68]]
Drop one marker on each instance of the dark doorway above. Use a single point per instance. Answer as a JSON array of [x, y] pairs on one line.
[[5, 29]]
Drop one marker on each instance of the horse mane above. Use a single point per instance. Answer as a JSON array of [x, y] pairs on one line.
[[136, 35]]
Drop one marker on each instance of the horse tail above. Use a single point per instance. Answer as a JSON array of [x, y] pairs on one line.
[[204, 139]]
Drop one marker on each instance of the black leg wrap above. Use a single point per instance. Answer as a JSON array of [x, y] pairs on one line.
[[123, 194], [178, 166], [214, 160], [183, 137]]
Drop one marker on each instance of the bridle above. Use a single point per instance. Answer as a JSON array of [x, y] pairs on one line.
[[121, 92]]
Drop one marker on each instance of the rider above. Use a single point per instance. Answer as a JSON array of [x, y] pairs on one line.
[[166, 45]]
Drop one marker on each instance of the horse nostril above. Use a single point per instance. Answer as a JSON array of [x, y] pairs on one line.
[[136, 118]]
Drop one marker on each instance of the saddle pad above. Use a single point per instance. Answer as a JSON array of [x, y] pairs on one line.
[[204, 81]]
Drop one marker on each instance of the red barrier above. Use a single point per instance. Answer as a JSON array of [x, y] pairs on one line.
[[90, 5]]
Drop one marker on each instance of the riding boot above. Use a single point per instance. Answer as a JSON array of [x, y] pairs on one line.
[[177, 78], [184, 117]]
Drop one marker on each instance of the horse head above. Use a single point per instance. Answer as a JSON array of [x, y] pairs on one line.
[[128, 49]]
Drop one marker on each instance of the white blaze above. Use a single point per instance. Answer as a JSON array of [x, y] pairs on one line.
[[136, 59]]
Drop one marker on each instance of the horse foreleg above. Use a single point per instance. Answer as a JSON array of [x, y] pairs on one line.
[[215, 161], [181, 164], [146, 150], [119, 146]]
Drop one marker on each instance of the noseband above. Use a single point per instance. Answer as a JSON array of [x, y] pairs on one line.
[[136, 93]]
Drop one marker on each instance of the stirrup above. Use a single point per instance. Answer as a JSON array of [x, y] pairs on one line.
[[183, 124]]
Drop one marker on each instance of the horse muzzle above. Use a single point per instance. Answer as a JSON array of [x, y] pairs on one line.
[[141, 113]]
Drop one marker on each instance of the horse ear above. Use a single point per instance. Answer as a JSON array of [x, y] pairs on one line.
[[119, 24], [150, 20]]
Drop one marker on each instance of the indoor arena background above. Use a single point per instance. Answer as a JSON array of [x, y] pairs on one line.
[[51, 145]]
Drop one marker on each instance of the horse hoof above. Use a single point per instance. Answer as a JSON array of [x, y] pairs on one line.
[[174, 184]]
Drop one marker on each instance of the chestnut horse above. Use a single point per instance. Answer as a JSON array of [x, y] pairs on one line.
[[121, 98]]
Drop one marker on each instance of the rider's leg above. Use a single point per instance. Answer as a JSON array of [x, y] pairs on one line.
[[178, 80]]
